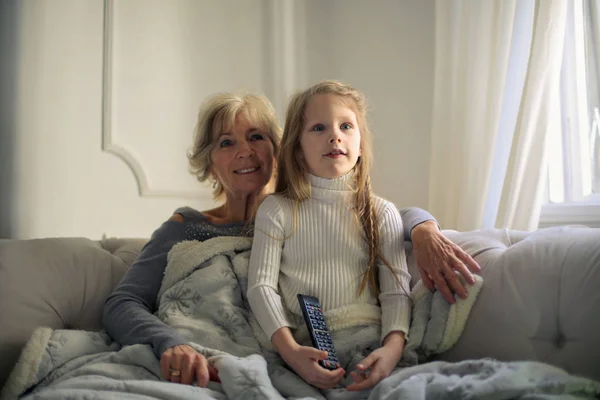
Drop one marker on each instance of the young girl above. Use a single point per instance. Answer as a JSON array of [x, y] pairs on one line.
[[324, 234]]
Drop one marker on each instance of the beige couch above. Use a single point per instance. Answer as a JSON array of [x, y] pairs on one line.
[[540, 300]]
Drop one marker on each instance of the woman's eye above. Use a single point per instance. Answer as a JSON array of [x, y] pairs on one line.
[[225, 143], [257, 136], [318, 128], [346, 126]]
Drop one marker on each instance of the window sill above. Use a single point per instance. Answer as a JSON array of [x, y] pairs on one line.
[[584, 213]]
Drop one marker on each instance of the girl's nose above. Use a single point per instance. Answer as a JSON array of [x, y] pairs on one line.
[[335, 139]]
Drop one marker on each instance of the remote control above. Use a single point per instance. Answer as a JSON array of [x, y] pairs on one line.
[[317, 327]]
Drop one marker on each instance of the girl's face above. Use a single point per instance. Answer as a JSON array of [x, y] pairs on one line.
[[330, 138], [242, 158]]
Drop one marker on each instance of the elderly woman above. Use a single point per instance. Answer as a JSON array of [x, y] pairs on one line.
[[236, 140]]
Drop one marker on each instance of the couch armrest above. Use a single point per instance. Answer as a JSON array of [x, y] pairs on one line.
[[539, 299]]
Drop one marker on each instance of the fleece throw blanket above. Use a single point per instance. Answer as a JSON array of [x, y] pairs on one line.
[[203, 296]]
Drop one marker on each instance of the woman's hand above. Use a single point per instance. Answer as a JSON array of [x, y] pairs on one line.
[[379, 364], [181, 364], [438, 260]]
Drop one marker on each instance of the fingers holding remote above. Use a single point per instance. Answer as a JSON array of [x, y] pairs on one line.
[[305, 362]]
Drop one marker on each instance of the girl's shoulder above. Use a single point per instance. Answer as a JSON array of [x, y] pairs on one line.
[[381, 205], [275, 203]]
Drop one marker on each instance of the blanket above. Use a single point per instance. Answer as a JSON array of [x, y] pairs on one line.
[[203, 297]]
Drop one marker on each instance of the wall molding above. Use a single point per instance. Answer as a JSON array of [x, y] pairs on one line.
[[108, 144], [283, 48], [281, 75]]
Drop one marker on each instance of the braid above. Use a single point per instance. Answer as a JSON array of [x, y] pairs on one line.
[[370, 223], [372, 233]]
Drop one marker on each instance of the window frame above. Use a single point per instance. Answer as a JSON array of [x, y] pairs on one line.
[[576, 207]]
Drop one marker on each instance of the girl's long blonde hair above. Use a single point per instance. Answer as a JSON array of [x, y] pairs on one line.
[[292, 176]]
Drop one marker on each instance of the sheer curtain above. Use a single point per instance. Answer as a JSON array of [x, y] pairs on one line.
[[496, 73]]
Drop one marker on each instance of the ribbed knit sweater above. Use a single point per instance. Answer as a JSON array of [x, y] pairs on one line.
[[325, 255]]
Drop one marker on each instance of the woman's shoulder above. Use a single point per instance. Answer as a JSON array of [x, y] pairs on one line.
[[187, 214], [197, 225], [176, 225]]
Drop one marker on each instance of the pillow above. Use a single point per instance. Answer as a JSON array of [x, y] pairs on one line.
[[58, 283]]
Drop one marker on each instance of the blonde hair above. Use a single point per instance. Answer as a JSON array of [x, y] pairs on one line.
[[220, 111], [292, 175]]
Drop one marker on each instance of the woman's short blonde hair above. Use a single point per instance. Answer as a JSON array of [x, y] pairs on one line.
[[220, 111]]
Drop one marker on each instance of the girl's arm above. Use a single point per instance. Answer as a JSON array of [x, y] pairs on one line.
[[394, 286], [394, 300], [284, 342], [263, 271]]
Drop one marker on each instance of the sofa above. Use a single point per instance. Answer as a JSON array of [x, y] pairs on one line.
[[540, 299]]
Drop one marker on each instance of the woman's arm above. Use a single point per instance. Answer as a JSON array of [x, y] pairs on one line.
[[440, 260], [413, 217], [128, 311]]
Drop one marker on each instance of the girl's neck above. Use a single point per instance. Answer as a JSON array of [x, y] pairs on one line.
[[343, 183]]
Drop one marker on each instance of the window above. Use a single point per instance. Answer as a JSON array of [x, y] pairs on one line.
[[574, 149]]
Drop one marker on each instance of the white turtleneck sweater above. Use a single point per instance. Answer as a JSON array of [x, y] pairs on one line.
[[325, 255]]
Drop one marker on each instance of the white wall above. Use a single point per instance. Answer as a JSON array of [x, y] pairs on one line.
[[162, 64], [386, 49]]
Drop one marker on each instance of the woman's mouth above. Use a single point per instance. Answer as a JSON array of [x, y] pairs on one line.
[[246, 170]]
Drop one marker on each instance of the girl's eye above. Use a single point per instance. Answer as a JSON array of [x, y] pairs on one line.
[[257, 136], [225, 143], [346, 126], [318, 128]]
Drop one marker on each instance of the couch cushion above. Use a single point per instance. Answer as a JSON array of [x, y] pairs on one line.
[[58, 283]]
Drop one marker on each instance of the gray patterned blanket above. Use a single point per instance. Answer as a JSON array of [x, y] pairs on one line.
[[203, 297]]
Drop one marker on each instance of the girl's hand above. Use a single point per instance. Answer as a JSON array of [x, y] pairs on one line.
[[438, 260], [379, 364], [181, 364], [304, 360]]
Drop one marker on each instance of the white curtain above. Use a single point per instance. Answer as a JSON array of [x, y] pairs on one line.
[[496, 78]]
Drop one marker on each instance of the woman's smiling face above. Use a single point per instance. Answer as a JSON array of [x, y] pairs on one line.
[[242, 158]]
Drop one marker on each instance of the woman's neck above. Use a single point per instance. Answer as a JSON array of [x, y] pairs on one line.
[[239, 208]]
